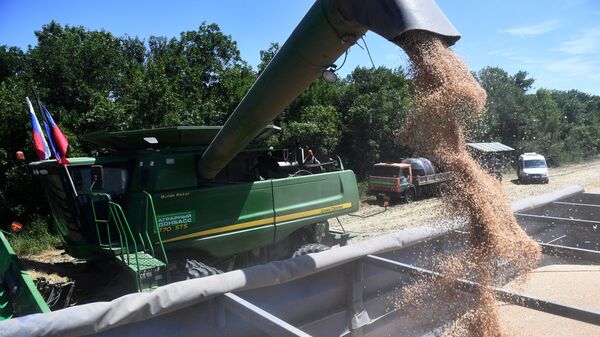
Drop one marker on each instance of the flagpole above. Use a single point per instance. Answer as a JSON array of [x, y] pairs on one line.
[[45, 120]]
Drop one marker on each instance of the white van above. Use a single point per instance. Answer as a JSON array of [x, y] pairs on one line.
[[532, 168]]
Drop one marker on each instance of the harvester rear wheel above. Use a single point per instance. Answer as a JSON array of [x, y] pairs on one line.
[[310, 248], [191, 269]]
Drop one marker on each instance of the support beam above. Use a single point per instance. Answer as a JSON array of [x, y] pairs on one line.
[[358, 315], [594, 225], [268, 323], [571, 252], [575, 204], [583, 315]]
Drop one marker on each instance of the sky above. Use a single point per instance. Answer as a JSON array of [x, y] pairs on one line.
[[556, 41]]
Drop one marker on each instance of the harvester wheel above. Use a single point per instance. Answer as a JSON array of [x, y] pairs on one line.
[[310, 248], [195, 269]]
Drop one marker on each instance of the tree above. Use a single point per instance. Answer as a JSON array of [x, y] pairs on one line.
[[267, 55], [319, 127], [541, 127], [374, 105], [504, 98], [12, 62]]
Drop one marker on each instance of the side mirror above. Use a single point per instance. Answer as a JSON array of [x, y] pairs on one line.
[[97, 173]]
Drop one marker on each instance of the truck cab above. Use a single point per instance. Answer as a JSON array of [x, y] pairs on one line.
[[531, 167], [392, 180], [410, 179]]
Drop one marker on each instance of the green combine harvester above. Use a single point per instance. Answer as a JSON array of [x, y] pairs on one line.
[[174, 203], [146, 205]]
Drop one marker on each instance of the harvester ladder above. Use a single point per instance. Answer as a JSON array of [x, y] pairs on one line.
[[134, 251]]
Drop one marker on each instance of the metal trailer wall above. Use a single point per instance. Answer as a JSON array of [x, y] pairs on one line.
[[187, 301], [337, 292]]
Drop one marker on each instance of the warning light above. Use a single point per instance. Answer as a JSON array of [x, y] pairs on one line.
[[16, 226], [20, 155]]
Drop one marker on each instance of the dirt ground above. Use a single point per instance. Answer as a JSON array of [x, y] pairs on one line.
[[372, 219]]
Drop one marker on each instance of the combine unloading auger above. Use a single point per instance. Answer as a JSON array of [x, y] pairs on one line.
[[328, 29]]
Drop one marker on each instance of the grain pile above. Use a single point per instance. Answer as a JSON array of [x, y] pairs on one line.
[[570, 284], [446, 97]]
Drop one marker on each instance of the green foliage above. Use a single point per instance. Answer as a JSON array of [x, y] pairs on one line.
[[317, 126], [561, 125], [266, 56], [374, 104], [33, 239]]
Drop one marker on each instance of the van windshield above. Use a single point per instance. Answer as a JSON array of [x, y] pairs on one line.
[[534, 163]]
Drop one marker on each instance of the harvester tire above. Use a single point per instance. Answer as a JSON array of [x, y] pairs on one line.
[[310, 248], [196, 269]]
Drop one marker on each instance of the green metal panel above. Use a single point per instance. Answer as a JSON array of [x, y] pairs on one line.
[[176, 171], [195, 214], [26, 300], [161, 138], [230, 243], [304, 200]]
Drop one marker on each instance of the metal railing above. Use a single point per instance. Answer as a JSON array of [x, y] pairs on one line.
[[128, 247]]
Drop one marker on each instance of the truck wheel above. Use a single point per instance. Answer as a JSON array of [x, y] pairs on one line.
[[310, 248], [191, 269], [443, 190], [409, 195]]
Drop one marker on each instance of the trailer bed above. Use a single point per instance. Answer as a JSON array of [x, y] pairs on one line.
[[432, 178]]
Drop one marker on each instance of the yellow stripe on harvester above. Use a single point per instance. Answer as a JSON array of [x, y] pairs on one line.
[[266, 221], [317, 211]]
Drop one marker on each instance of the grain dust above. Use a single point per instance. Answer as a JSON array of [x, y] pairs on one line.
[[447, 97]]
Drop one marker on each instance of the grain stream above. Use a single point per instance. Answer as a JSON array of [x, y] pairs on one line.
[[446, 98]]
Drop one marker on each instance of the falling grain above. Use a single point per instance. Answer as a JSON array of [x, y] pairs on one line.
[[446, 98]]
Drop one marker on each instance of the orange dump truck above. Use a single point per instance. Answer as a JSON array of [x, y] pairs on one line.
[[410, 179]]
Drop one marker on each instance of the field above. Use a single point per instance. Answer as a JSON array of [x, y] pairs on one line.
[[373, 220]]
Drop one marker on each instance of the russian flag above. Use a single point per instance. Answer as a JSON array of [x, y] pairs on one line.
[[39, 141], [58, 142]]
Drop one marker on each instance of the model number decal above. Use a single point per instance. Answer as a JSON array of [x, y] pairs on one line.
[[176, 219]]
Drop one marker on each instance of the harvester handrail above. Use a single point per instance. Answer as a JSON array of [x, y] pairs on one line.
[[121, 220], [150, 203], [105, 221]]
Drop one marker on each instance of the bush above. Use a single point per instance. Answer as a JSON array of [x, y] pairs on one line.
[[33, 238]]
